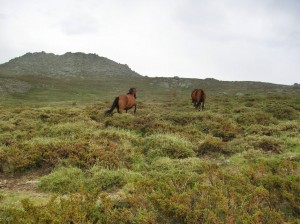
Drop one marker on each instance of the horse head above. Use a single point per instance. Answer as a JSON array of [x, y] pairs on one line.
[[132, 91]]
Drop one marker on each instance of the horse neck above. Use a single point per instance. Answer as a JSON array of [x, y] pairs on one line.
[[132, 94]]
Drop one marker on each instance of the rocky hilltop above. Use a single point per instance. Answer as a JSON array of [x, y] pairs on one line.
[[65, 66]]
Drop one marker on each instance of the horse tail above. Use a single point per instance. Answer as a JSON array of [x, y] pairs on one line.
[[113, 106]]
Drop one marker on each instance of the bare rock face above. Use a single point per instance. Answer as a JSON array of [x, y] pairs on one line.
[[173, 82], [67, 65]]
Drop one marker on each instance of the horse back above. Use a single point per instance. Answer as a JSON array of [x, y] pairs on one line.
[[126, 101], [200, 95]]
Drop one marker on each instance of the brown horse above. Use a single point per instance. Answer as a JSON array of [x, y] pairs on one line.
[[124, 102], [198, 98]]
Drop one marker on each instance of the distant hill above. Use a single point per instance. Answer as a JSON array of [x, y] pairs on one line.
[[68, 65], [79, 76]]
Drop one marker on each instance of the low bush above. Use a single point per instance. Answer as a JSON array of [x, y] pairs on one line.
[[161, 145], [179, 165], [255, 142], [239, 145], [227, 131], [108, 180], [269, 144], [146, 125], [282, 111], [63, 180], [15, 159], [259, 117], [1, 196], [280, 178], [67, 129], [7, 126], [256, 129], [183, 119], [212, 145], [50, 151], [216, 197], [290, 128]]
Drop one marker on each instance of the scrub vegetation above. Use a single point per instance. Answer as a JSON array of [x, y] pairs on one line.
[[235, 162]]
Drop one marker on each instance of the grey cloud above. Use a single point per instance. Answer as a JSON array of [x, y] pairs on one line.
[[237, 40], [2, 16], [79, 24]]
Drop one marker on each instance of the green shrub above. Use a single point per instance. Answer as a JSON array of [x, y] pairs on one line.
[[227, 131], [186, 118], [116, 135], [290, 128], [18, 158], [253, 154], [63, 180], [279, 176], [212, 145], [256, 129], [7, 139], [7, 126], [1, 196], [269, 144], [161, 145], [108, 180], [120, 121], [166, 164], [282, 111], [67, 129], [241, 110], [251, 118], [146, 124], [217, 197], [239, 145]]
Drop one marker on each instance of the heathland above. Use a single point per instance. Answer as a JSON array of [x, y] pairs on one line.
[[63, 161]]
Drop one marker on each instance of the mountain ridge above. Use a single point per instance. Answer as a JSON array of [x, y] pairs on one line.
[[67, 65]]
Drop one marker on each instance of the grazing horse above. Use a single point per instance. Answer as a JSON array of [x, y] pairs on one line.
[[198, 98], [124, 102]]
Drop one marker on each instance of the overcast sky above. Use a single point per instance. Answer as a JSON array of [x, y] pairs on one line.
[[253, 40]]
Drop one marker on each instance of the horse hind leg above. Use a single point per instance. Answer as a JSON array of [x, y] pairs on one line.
[[120, 110]]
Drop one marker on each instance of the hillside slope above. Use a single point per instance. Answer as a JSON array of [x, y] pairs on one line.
[[86, 77]]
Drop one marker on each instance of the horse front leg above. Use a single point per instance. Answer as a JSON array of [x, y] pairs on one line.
[[134, 108]]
